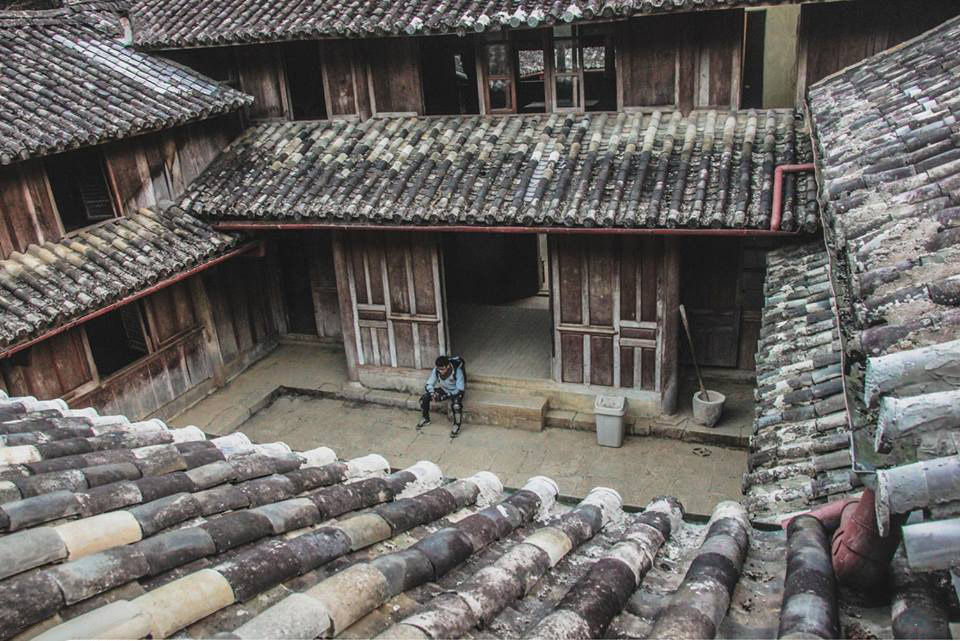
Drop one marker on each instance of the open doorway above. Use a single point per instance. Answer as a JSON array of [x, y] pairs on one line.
[[498, 304]]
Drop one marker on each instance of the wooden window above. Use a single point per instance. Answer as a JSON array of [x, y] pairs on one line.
[[567, 70], [530, 61], [80, 188], [118, 339], [584, 71], [304, 75], [500, 89]]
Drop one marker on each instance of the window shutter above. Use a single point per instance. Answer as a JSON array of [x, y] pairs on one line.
[[133, 328], [92, 185]]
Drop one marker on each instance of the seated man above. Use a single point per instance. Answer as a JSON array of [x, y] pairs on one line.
[[446, 381]]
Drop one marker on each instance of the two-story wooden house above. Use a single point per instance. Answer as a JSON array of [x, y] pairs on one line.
[[102, 299]]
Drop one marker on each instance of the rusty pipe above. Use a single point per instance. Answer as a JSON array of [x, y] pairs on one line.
[[861, 557], [487, 229], [778, 173], [127, 300]]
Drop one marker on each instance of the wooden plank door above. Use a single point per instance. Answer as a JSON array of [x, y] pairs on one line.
[[396, 295], [607, 310]]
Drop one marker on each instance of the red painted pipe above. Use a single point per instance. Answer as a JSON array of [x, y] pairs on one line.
[[697, 231], [861, 557], [778, 173], [828, 515], [129, 299]]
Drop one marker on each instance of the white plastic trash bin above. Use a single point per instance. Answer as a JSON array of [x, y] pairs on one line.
[[608, 412]]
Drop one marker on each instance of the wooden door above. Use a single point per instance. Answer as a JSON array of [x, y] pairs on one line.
[[395, 292], [608, 314]]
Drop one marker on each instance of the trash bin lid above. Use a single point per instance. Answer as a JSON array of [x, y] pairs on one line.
[[610, 405]]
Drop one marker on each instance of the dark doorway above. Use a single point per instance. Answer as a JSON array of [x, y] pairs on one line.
[[301, 62], [294, 261], [449, 72], [753, 55], [117, 339], [498, 307]]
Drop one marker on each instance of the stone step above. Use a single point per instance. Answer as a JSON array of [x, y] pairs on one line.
[[517, 411]]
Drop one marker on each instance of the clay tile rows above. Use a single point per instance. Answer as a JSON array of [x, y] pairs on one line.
[[889, 151], [660, 169], [51, 284], [185, 23], [800, 449], [67, 84]]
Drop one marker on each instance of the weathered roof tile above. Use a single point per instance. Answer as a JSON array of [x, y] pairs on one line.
[[618, 170]]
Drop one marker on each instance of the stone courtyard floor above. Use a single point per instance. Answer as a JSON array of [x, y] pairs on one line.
[[645, 467]]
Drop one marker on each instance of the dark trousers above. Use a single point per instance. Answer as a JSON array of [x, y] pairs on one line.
[[456, 404]]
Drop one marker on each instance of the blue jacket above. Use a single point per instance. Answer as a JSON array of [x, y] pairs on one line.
[[452, 385]]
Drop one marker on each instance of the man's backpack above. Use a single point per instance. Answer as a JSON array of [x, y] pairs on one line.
[[459, 364]]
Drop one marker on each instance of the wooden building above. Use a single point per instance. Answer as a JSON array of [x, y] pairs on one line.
[[104, 297], [541, 181]]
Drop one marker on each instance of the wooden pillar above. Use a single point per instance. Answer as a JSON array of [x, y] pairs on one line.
[[345, 298], [670, 292], [211, 340]]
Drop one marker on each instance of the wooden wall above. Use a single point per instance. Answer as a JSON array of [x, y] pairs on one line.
[[835, 35], [187, 324], [686, 61], [394, 74]]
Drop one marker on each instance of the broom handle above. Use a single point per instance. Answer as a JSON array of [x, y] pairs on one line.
[[693, 354]]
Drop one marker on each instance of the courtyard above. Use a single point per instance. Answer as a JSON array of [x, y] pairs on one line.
[[699, 474]]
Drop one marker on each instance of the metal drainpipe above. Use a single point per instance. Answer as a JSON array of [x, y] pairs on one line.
[[778, 173]]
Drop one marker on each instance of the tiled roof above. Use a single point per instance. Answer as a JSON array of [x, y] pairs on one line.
[[190, 23], [800, 449], [889, 151], [66, 84], [55, 283], [109, 524], [711, 169]]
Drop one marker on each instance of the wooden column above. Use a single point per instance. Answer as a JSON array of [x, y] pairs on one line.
[[344, 295], [670, 297], [211, 340]]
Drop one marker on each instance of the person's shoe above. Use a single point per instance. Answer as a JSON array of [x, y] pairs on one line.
[[455, 432], [422, 423]]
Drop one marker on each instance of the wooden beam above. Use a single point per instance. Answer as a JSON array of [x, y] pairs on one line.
[[345, 297]]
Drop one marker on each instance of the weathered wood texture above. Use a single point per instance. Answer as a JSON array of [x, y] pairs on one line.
[[243, 300], [179, 362], [145, 170], [722, 289], [393, 67], [396, 310], [27, 212], [836, 35], [141, 171], [686, 61], [261, 75], [50, 369], [608, 310]]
